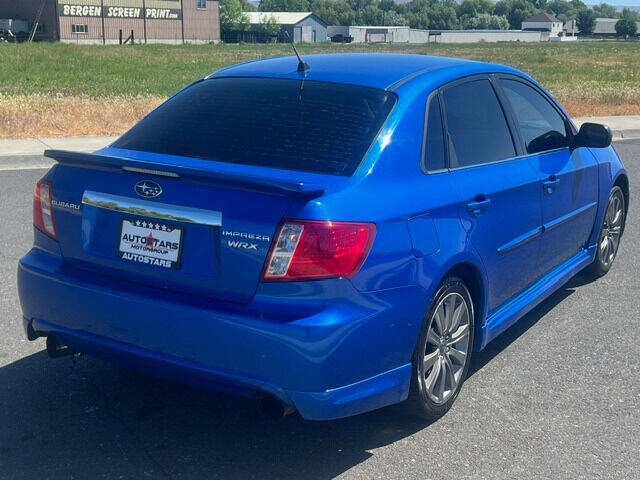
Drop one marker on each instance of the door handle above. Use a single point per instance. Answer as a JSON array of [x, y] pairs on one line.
[[478, 205], [551, 184]]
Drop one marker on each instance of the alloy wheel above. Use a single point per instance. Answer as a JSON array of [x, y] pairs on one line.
[[611, 229], [446, 348]]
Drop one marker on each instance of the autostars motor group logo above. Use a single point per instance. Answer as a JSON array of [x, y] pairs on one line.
[[150, 242]]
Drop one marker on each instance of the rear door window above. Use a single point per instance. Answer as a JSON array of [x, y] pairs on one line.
[[291, 124], [434, 151], [541, 126], [476, 126]]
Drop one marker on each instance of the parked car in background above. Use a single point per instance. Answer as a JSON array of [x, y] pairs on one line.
[[340, 38], [13, 30], [334, 237]]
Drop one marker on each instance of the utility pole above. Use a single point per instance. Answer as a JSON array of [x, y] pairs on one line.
[[104, 37], [182, 20], [144, 19]]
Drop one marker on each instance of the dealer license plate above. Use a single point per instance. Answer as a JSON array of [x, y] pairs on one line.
[[150, 243]]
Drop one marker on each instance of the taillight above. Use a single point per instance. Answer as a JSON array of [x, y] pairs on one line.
[[307, 249], [42, 211]]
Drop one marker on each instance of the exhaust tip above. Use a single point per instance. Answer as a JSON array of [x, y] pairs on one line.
[[55, 349], [274, 409]]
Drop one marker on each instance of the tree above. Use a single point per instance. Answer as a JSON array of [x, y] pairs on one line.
[[394, 18], [359, 5], [566, 10], [486, 21], [416, 12], [586, 21], [630, 14], [625, 27], [470, 9], [604, 10], [370, 15], [387, 5], [247, 6], [334, 12], [269, 25], [443, 16], [284, 6], [515, 11], [419, 19], [232, 18]]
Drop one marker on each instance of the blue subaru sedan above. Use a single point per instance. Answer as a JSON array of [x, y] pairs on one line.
[[331, 236]]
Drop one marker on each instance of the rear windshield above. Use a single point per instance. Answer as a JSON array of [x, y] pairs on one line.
[[280, 123]]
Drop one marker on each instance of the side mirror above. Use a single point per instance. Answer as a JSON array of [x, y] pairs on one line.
[[593, 135]]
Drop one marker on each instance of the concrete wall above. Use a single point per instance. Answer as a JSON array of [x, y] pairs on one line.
[[372, 34], [418, 36], [472, 36], [409, 35], [568, 38]]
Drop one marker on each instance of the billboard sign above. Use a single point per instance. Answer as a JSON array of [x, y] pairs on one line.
[[151, 13]]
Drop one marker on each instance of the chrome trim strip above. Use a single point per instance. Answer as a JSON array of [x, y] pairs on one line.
[[145, 208]]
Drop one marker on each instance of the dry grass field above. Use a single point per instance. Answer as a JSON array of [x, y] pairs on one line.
[[61, 89]]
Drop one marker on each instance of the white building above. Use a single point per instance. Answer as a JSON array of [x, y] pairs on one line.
[[404, 34], [605, 27], [300, 26], [372, 34], [543, 22], [489, 36]]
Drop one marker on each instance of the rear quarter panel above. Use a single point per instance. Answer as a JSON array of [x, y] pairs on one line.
[[391, 189]]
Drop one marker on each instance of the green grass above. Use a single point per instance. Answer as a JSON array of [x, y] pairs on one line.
[[159, 70], [62, 89]]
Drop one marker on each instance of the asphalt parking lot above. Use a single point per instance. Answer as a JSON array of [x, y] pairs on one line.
[[557, 396]]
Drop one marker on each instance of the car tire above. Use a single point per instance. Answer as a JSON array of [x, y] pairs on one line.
[[443, 351], [609, 235]]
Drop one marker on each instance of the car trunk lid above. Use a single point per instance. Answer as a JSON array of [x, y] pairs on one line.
[[197, 229]]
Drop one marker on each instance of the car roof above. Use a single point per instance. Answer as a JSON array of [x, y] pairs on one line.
[[378, 70]]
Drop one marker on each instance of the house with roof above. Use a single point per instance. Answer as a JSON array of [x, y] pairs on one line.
[[300, 26], [605, 27], [543, 22]]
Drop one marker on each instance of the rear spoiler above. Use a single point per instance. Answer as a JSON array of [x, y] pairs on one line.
[[250, 182]]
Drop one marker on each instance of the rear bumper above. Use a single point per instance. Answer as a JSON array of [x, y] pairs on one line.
[[348, 358]]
